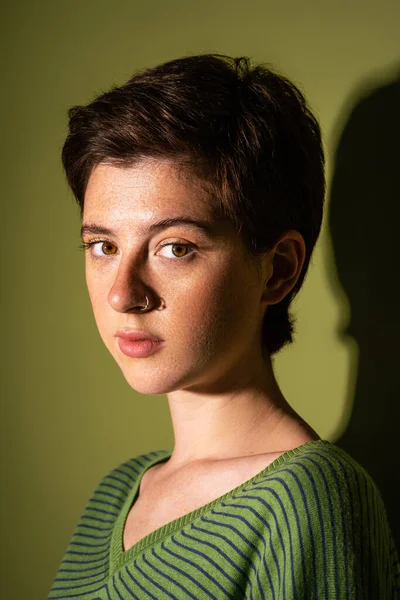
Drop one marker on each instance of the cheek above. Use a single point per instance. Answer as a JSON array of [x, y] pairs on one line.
[[216, 306], [207, 305], [97, 294], [91, 287]]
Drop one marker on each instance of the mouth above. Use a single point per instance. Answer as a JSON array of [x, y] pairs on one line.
[[138, 348], [137, 336]]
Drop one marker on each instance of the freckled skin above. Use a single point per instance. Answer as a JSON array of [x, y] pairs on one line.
[[209, 310], [209, 320]]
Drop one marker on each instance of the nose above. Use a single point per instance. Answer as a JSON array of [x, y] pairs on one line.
[[127, 293]]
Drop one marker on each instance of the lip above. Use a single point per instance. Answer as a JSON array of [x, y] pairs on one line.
[[138, 349], [138, 344], [134, 335]]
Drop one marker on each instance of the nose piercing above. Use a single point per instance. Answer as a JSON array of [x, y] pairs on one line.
[[147, 305]]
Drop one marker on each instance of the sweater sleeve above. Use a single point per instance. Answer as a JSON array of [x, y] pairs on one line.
[[373, 566], [357, 555], [327, 535]]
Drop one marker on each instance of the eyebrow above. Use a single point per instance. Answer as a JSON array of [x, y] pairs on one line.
[[203, 226]]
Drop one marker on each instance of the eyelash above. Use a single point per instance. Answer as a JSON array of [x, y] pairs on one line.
[[87, 245]]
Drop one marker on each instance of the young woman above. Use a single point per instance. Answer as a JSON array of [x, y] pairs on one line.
[[201, 187]]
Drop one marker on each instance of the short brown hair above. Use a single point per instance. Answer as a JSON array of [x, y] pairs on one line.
[[245, 131]]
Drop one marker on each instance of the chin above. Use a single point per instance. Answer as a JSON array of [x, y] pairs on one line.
[[151, 380], [148, 385], [152, 376]]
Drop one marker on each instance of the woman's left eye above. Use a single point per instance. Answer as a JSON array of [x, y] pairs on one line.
[[181, 248]]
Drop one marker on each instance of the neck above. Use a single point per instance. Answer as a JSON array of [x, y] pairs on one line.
[[245, 414]]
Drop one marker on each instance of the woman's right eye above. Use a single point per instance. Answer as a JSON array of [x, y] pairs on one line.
[[106, 248]]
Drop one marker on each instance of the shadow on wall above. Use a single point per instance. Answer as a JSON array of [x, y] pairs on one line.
[[364, 224]]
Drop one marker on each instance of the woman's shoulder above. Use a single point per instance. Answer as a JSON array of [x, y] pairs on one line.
[[321, 473], [322, 460], [319, 497], [132, 468], [117, 482]]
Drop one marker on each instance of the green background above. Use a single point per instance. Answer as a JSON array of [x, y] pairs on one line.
[[68, 415]]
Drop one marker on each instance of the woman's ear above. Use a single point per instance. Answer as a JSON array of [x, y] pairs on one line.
[[285, 262]]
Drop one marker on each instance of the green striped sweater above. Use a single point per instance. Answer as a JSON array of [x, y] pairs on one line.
[[310, 526]]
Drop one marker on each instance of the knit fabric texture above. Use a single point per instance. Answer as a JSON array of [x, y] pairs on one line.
[[310, 526]]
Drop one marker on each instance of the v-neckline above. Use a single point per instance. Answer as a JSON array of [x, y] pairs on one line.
[[118, 557]]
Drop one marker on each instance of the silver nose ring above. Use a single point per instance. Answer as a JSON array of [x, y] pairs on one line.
[[147, 305]]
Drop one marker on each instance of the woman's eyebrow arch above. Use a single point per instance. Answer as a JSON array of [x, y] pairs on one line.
[[203, 226]]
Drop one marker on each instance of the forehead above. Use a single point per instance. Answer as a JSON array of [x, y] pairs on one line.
[[150, 188]]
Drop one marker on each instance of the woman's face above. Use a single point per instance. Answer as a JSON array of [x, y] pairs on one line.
[[205, 300]]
